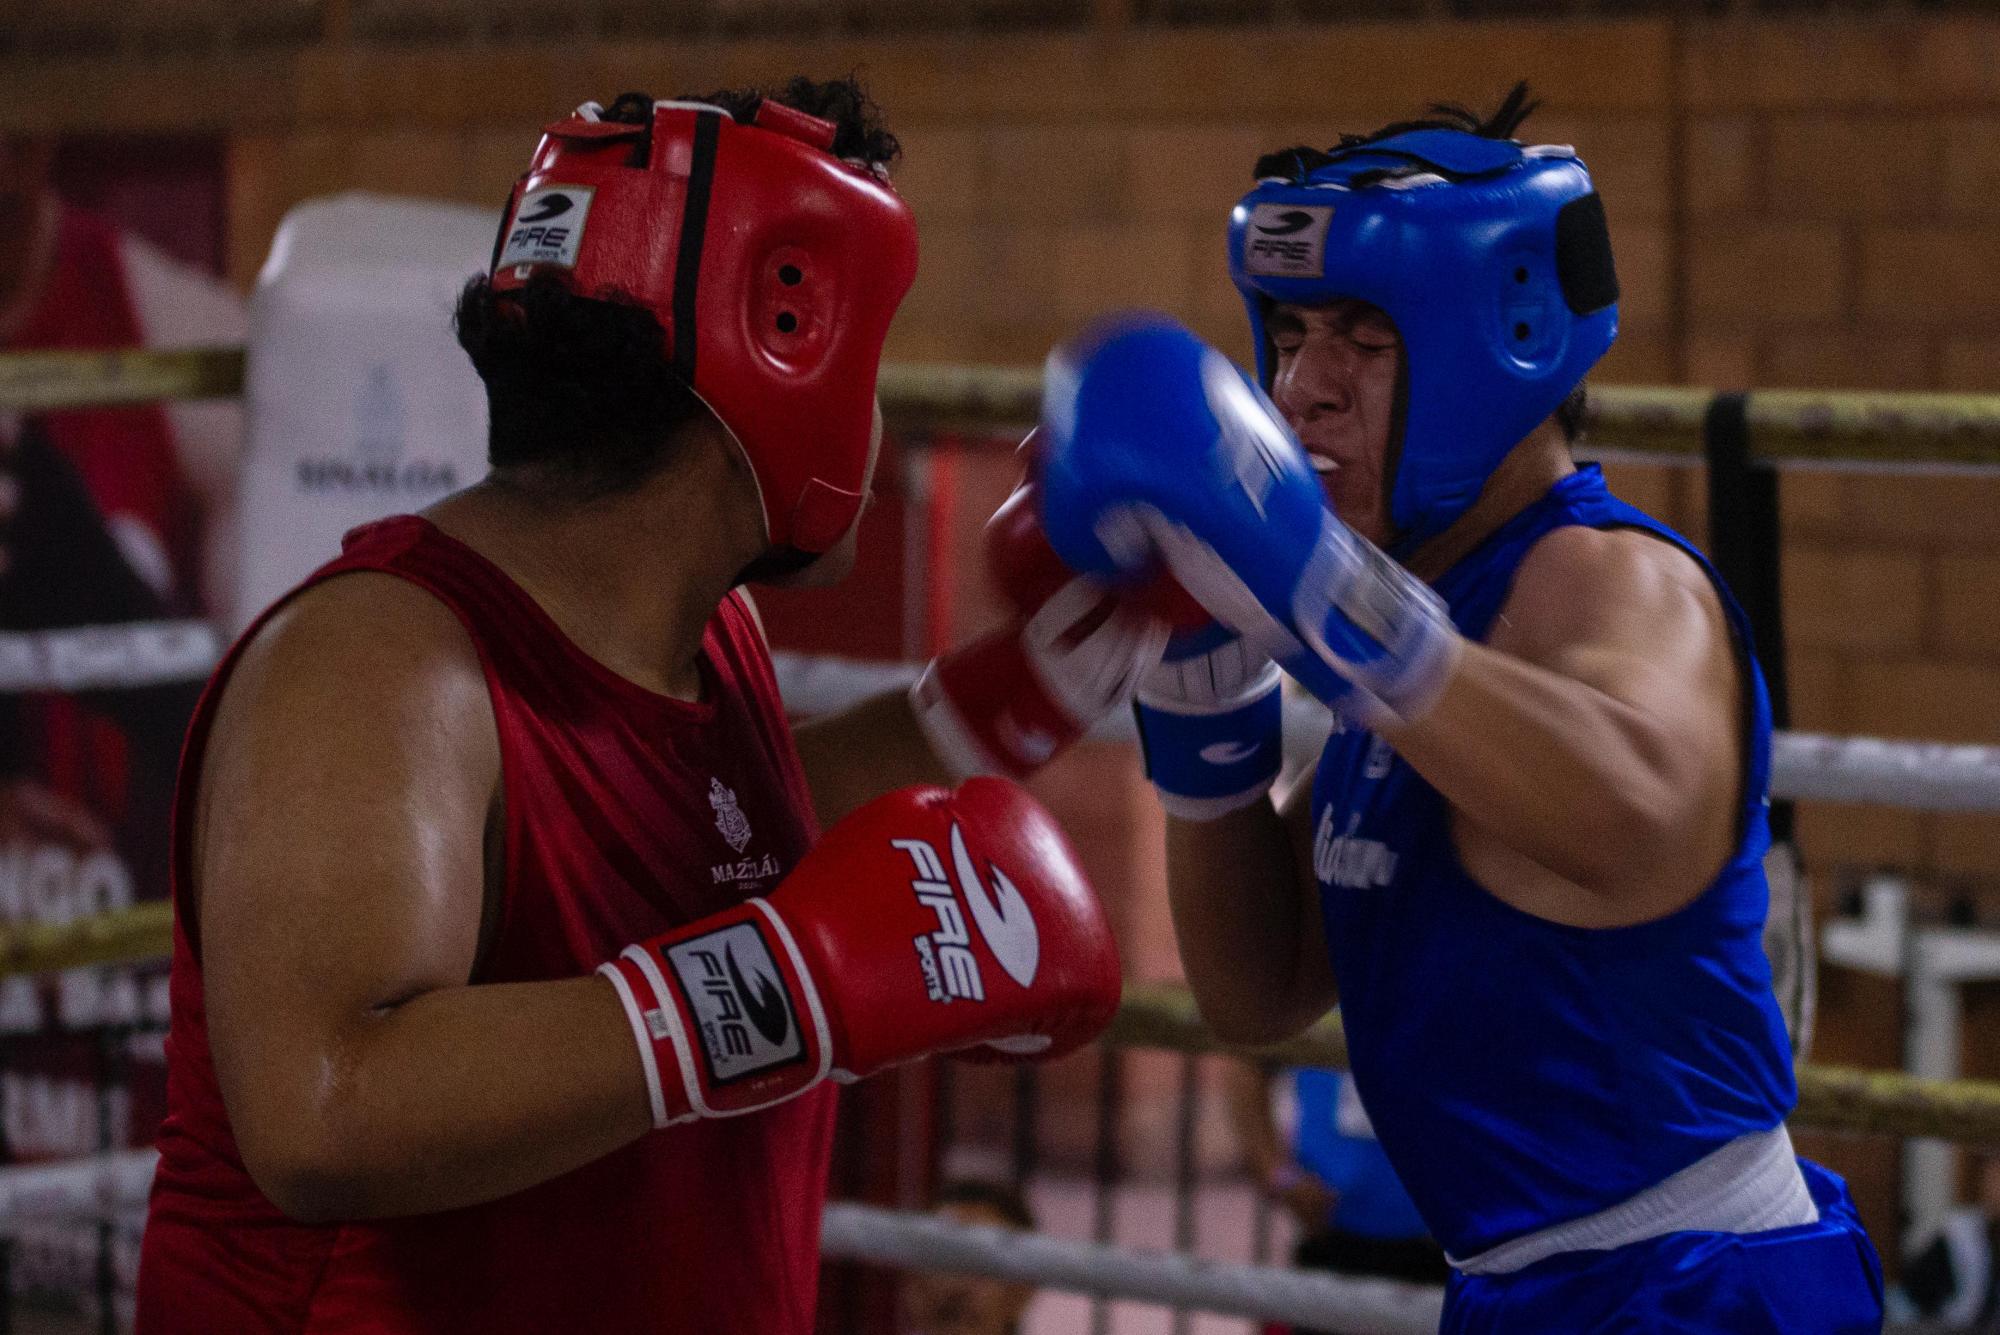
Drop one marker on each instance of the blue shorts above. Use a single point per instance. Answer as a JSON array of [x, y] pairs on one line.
[[1812, 1279]]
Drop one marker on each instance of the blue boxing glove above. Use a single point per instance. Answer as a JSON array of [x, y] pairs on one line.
[[1211, 724], [1156, 448]]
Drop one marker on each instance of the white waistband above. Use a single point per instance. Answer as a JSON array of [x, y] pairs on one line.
[[1750, 1185]]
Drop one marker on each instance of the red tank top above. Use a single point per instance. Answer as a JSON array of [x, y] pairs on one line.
[[627, 813]]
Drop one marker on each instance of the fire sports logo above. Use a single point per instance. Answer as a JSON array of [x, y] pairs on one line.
[[999, 912], [736, 996]]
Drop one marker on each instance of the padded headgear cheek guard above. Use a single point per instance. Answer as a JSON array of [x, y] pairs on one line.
[[1492, 260], [774, 268]]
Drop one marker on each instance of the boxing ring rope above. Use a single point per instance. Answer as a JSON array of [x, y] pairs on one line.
[[37, 382], [1906, 430], [904, 1240], [135, 935], [1831, 1098], [113, 1186], [1163, 1016], [1786, 426], [1814, 767], [128, 656], [1914, 776]]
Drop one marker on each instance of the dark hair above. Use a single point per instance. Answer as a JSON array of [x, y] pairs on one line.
[[1300, 161], [859, 134], [1000, 1199], [580, 389]]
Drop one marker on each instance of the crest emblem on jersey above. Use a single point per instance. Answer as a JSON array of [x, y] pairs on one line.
[[729, 817]]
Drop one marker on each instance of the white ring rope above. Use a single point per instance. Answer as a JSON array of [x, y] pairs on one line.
[[1919, 776], [112, 1185], [1922, 776], [101, 1186], [1167, 1279], [127, 656]]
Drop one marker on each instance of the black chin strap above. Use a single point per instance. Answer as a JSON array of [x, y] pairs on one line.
[[694, 230], [775, 564], [1392, 455]]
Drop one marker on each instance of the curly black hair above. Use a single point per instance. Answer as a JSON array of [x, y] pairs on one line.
[[580, 389], [859, 135], [1299, 161]]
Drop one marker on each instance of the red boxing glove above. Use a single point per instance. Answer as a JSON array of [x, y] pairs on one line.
[[1026, 568], [927, 921], [1018, 556], [1009, 701]]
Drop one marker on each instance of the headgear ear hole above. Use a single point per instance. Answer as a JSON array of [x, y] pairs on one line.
[[1521, 331], [788, 323], [790, 275]]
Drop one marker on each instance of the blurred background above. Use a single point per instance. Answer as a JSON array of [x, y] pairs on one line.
[[1802, 196]]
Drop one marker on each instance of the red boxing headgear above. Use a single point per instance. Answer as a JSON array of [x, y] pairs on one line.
[[773, 266]]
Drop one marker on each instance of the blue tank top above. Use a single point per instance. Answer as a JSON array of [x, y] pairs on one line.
[[1519, 1072]]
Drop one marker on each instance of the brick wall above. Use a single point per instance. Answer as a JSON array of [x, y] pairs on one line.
[[1794, 203]]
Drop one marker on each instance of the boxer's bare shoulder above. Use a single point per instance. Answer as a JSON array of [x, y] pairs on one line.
[[361, 694], [366, 620], [359, 665], [1637, 621], [1611, 605]]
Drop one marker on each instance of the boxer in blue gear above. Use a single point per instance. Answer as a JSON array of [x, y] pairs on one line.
[[1532, 852]]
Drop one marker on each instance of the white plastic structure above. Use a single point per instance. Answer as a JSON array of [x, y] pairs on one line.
[[1934, 963], [360, 403]]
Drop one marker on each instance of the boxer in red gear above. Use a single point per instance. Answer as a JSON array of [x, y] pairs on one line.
[[509, 983]]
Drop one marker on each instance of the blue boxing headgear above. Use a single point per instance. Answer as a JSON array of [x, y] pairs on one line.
[[1494, 263]]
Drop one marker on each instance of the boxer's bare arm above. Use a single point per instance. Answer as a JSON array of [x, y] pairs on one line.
[[340, 862], [864, 751], [868, 749], [1247, 919], [1591, 749]]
